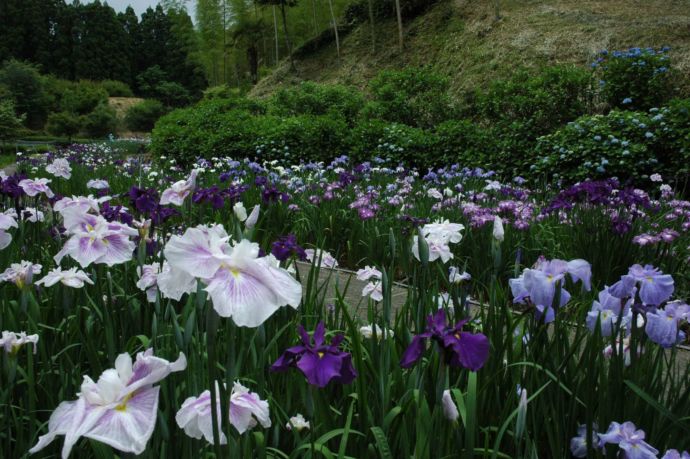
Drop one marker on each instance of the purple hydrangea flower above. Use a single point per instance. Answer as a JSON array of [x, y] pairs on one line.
[[320, 362], [460, 348]]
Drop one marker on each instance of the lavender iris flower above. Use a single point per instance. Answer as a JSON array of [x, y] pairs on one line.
[[608, 310], [578, 444], [538, 285], [320, 362], [630, 440], [460, 348], [675, 454], [662, 324], [655, 287]]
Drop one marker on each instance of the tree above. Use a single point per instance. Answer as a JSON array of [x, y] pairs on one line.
[[210, 24], [283, 4], [130, 24], [10, 123], [100, 122], [24, 85], [100, 48], [63, 124]]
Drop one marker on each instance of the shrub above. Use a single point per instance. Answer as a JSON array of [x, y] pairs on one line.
[[413, 96], [63, 124], [221, 92], [82, 97], [143, 116], [116, 88], [395, 141], [10, 123], [100, 122], [636, 79], [307, 137], [172, 94], [464, 142], [24, 85], [542, 101], [317, 99], [625, 144], [208, 129]]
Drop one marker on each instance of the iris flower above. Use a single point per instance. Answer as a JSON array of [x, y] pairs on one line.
[[630, 440], [246, 410], [11, 341], [95, 240], [662, 324], [608, 310], [71, 278], [177, 193], [60, 168], [241, 284], [460, 348], [538, 284], [320, 362], [36, 186], [655, 287], [21, 274], [6, 222], [119, 410]]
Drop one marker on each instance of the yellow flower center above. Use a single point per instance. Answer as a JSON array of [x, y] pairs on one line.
[[123, 405], [321, 354]]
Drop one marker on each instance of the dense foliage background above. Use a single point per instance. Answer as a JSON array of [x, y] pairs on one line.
[[619, 118]]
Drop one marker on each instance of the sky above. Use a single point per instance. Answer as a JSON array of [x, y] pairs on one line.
[[140, 5]]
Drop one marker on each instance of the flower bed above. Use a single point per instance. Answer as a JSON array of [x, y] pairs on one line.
[[197, 273]]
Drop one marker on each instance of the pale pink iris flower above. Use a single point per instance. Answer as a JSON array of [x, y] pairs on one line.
[[177, 193], [119, 410], [246, 411], [241, 284]]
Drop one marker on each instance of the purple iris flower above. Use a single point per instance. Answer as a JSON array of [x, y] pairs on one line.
[[144, 200], [630, 440], [286, 246], [320, 362], [212, 195], [10, 185], [460, 348], [662, 324], [655, 287]]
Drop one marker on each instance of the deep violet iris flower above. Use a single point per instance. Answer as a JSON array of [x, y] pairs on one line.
[[460, 348], [319, 361]]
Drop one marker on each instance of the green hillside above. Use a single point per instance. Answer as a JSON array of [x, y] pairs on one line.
[[462, 39]]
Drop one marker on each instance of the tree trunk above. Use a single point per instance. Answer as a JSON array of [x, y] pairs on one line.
[[253, 58], [400, 24], [275, 27], [371, 24], [287, 35], [316, 24], [335, 28]]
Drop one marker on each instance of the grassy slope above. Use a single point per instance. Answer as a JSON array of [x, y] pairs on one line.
[[460, 38], [122, 104]]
